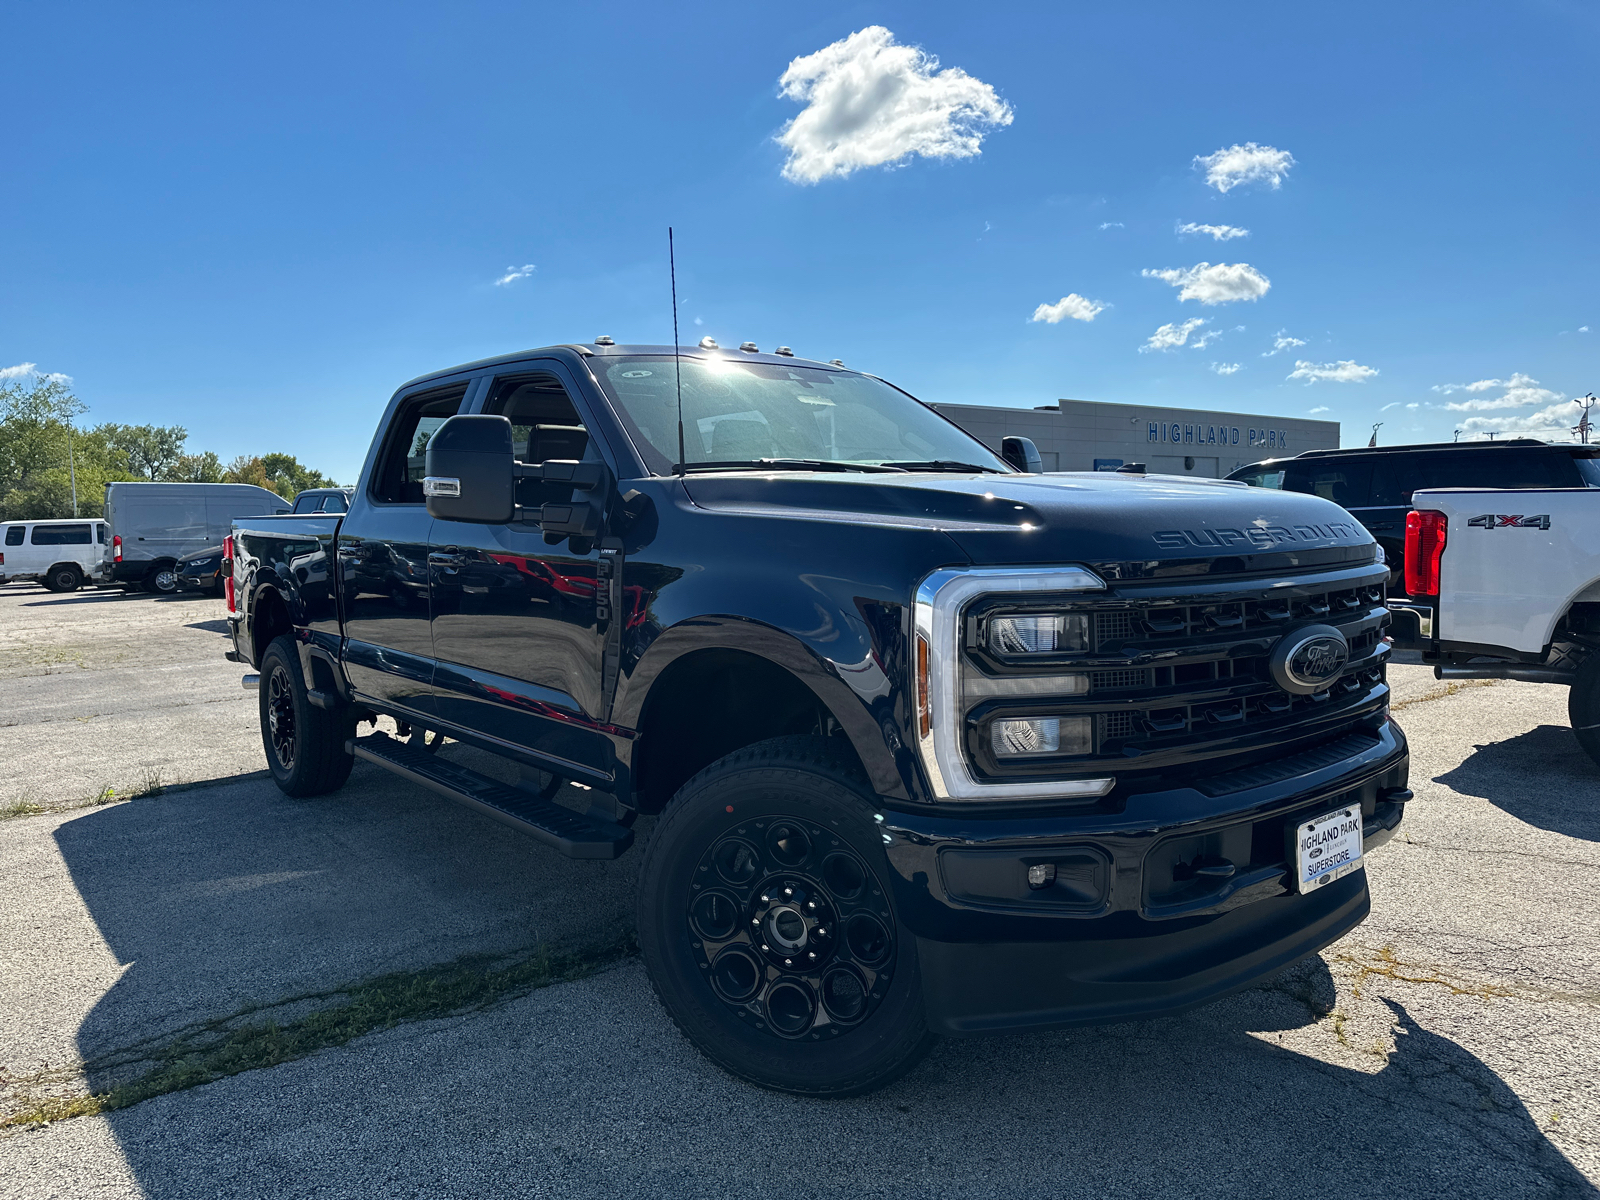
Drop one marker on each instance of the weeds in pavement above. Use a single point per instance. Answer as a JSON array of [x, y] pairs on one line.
[[21, 807], [1439, 693], [215, 1049]]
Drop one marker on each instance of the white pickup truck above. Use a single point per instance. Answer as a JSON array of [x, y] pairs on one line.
[[1509, 582]]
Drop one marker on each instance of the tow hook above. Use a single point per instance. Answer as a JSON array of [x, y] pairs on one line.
[[250, 682]]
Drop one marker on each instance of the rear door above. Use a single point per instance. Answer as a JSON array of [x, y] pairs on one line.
[[515, 633], [383, 561]]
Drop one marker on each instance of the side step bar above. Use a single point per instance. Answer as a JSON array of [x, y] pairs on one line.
[[572, 833]]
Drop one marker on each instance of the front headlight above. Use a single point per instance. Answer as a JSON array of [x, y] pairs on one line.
[[1018, 643]]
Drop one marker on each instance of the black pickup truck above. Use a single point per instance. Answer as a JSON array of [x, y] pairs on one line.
[[939, 745]]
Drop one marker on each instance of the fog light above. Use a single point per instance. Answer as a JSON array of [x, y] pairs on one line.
[[1039, 635], [1014, 737], [1041, 875]]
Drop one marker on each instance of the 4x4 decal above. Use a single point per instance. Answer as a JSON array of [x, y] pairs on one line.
[[1502, 521]]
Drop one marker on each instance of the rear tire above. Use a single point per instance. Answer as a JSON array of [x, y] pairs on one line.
[[162, 579], [1583, 707], [304, 743], [765, 860], [64, 577]]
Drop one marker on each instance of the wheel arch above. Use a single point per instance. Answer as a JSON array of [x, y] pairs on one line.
[[713, 685]]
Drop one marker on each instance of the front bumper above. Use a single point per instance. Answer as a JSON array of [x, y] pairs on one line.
[[1173, 900]]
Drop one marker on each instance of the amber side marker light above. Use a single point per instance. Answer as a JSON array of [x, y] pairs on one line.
[[924, 710]]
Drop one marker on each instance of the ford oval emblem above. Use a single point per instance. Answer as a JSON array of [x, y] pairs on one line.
[[1308, 659]]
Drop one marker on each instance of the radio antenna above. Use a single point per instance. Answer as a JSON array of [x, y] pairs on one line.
[[677, 355]]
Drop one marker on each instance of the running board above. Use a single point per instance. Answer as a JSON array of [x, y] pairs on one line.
[[572, 833]]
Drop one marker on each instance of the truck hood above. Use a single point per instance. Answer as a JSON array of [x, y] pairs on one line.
[[1133, 524]]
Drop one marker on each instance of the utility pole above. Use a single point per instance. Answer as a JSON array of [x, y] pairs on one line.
[[1373, 442], [1457, 437], [72, 470], [1583, 426]]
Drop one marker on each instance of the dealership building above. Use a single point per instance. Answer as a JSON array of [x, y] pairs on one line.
[[1086, 435]]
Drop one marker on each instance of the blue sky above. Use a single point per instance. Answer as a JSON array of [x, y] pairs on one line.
[[256, 223]]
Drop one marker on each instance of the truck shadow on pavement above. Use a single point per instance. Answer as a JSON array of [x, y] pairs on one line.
[[1541, 777], [234, 894]]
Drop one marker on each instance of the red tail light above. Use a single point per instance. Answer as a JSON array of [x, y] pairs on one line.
[[1425, 534], [227, 571], [116, 548]]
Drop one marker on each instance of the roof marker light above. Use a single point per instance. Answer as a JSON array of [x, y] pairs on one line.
[[749, 348], [835, 362], [784, 352], [605, 339], [709, 343]]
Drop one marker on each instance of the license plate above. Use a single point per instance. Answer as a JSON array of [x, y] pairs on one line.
[[1328, 848]]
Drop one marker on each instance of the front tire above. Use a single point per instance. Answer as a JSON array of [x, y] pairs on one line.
[[1583, 707], [161, 579], [767, 925], [304, 744]]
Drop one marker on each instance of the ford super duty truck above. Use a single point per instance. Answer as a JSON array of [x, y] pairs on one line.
[[1508, 581], [938, 745]]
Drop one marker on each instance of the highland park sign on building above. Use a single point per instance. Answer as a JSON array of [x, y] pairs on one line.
[[1180, 433]]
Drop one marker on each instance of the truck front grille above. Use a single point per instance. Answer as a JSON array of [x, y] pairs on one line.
[[1178, 674]]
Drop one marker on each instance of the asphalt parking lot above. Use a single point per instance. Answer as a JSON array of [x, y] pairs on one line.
[[1447, 1047]]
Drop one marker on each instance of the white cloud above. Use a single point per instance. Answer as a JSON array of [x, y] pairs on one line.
[[1391, 404], [1521, 391], [1227, 368], [1555, 420], [1171, 336], [1413, 406], [1321, 408], [870, 103], [58, 377], [1347, 371], [1282, 341], [19, 371], [1583, 329], [515, 273], [1249, 163], [1219, 284], [1119, 225], [1073, 305], [1220, 233]]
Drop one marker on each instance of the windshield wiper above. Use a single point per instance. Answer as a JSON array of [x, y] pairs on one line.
[[942, 464], [786, 464]]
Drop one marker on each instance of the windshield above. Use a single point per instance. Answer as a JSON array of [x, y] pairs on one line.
[[735, 412]]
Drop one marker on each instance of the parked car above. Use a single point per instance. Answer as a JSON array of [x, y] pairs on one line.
[[1376, 484], [153, 525], [333, 500], [60, 554], [201, 571], [1508, 582], [940, 746]]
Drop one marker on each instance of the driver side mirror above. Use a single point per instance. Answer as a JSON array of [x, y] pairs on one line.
[[471, 471], [1022, 454]]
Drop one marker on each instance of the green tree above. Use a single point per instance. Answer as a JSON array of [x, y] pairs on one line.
[[280, 473], [197, 468], [152, 451]]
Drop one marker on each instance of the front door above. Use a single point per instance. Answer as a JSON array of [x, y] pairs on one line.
[[383, 562], [515, 633]]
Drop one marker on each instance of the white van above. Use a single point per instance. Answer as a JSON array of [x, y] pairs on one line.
[[59, 554], [153, 525]]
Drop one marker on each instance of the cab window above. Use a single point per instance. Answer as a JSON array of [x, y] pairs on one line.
[[404, 463], [545, 425], [1266, 479], [1347, 484], [14, 534]]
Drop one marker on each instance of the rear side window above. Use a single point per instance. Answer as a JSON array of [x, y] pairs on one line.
[[1266, 479], [100, 534], [1474, 469], [1348, 484], [334, 504], [62, 535], [307, 504], [14, 535], [404, 463]]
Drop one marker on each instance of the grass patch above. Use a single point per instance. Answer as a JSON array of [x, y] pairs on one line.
[[248, 1041], [21, 808], [1449, 688]]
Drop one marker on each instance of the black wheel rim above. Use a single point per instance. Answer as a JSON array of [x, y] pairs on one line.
[[280, 717], [791, 929]]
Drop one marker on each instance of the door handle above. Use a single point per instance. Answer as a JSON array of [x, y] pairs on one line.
[[446, 558]]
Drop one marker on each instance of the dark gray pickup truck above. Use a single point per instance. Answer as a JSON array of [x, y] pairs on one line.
[[938, 745]]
